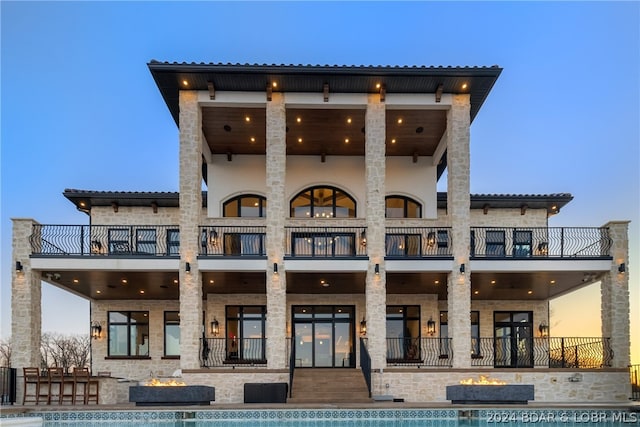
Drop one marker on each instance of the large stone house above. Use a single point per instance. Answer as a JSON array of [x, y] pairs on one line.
[[321, 241]]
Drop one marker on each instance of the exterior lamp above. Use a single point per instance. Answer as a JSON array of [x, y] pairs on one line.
[[187, 267], [215, 327], [431, 239], [431, 327], [19, 267], [275, 268], [377, 269], [96, 330], [213, 237], [544, 330], [621, 268], [363, 327], [462, 268], [363, 238]]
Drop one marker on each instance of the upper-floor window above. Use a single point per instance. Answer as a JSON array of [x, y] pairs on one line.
[[402, 207], [129, 333], [246, 205], [323, 202]]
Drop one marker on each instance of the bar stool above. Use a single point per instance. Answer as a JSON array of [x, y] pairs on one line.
[[56, 384], [90, 387], [33, 380]]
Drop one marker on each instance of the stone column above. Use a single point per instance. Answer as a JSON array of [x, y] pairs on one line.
[[276, 160], [376, 289], [26, 294], [190, 212], [614, 294], [458, 210]]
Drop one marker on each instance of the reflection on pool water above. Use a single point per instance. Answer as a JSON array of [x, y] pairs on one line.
[[341, 417]]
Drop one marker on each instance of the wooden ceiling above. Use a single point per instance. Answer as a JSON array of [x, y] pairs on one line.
[[330, 132], [164, 285]]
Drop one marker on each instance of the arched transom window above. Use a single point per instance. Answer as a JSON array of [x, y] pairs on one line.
[[246, 205], [323, 202], [402, 207]]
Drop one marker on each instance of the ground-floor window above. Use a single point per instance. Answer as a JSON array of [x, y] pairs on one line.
[[245, 329], [403, 333], [128, 333], [475, 333], [171, 333]]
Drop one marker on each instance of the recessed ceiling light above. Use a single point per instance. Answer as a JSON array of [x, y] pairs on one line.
[[227, 128], [274, 84], [300, 140], [377, 85], [185, 83], [124, 281], [493, 282], [529, 292], [419, 129], [83, 204], [464, 86], [175, 281], [247, 119], [476, 292], [299, 119], [76, 281], [393, 141], [98, 291], [553, 282], [141, 291], [400, 120], [253, 139], [346, 140], [211, 281], [349, 120], [436, 281]]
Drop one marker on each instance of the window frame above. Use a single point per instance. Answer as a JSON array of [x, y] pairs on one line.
[[165, 323], [239, 340], [406, 200], [129, 327], [312, 207], [262, 206]]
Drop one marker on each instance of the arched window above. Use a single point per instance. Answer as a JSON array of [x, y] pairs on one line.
[[402, 207], [246, 205], [323, 202]]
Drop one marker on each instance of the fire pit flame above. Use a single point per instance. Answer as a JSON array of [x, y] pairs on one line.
[[154, 382], [483, 380]]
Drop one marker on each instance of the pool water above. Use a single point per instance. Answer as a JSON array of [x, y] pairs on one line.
[[340, 418]]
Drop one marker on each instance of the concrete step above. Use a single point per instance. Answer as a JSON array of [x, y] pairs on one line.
[[329, 386]]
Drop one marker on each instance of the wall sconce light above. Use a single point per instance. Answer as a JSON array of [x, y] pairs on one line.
[[622, 267], [19, 267], [462, 269], [431, 239], [275, 268], [377, 269], [215, 327], [96, 330], [544, 330], [431, 327], [363, 327], [213, 237], [187, 267], [363, 238]]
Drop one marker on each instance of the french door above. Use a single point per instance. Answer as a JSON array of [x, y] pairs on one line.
[[513, 339], [324, 336]]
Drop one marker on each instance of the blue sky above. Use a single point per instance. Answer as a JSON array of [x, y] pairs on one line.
[[81, 110]]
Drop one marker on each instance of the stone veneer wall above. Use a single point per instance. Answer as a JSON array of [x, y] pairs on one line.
[[595, 386], [136, 369]]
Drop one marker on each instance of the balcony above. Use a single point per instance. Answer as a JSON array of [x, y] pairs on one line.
[[105, 240], [425, 351], [540, 243], [417, 242], [232, 241], [326, 242]]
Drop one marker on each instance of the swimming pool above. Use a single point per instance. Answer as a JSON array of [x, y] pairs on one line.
[[341, 418]]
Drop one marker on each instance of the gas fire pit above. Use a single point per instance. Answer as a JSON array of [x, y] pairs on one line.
[[158, 393], [490, 391]]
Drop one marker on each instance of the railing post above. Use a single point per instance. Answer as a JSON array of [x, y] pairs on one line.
[[562, 242], [82, 240]]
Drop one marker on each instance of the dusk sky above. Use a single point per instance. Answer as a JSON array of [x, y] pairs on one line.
[[79, 108]]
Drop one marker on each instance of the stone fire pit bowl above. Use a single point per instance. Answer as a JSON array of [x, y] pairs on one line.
[[493, 394], [172, 395]]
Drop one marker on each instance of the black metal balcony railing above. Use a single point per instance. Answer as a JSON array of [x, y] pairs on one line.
[[319, 242], [73, 240], [7, 386], [565, 352], [540, 242], [417, 242], [425, 351], [326, 242], [634, 373], [217, 352], [244, 241]]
